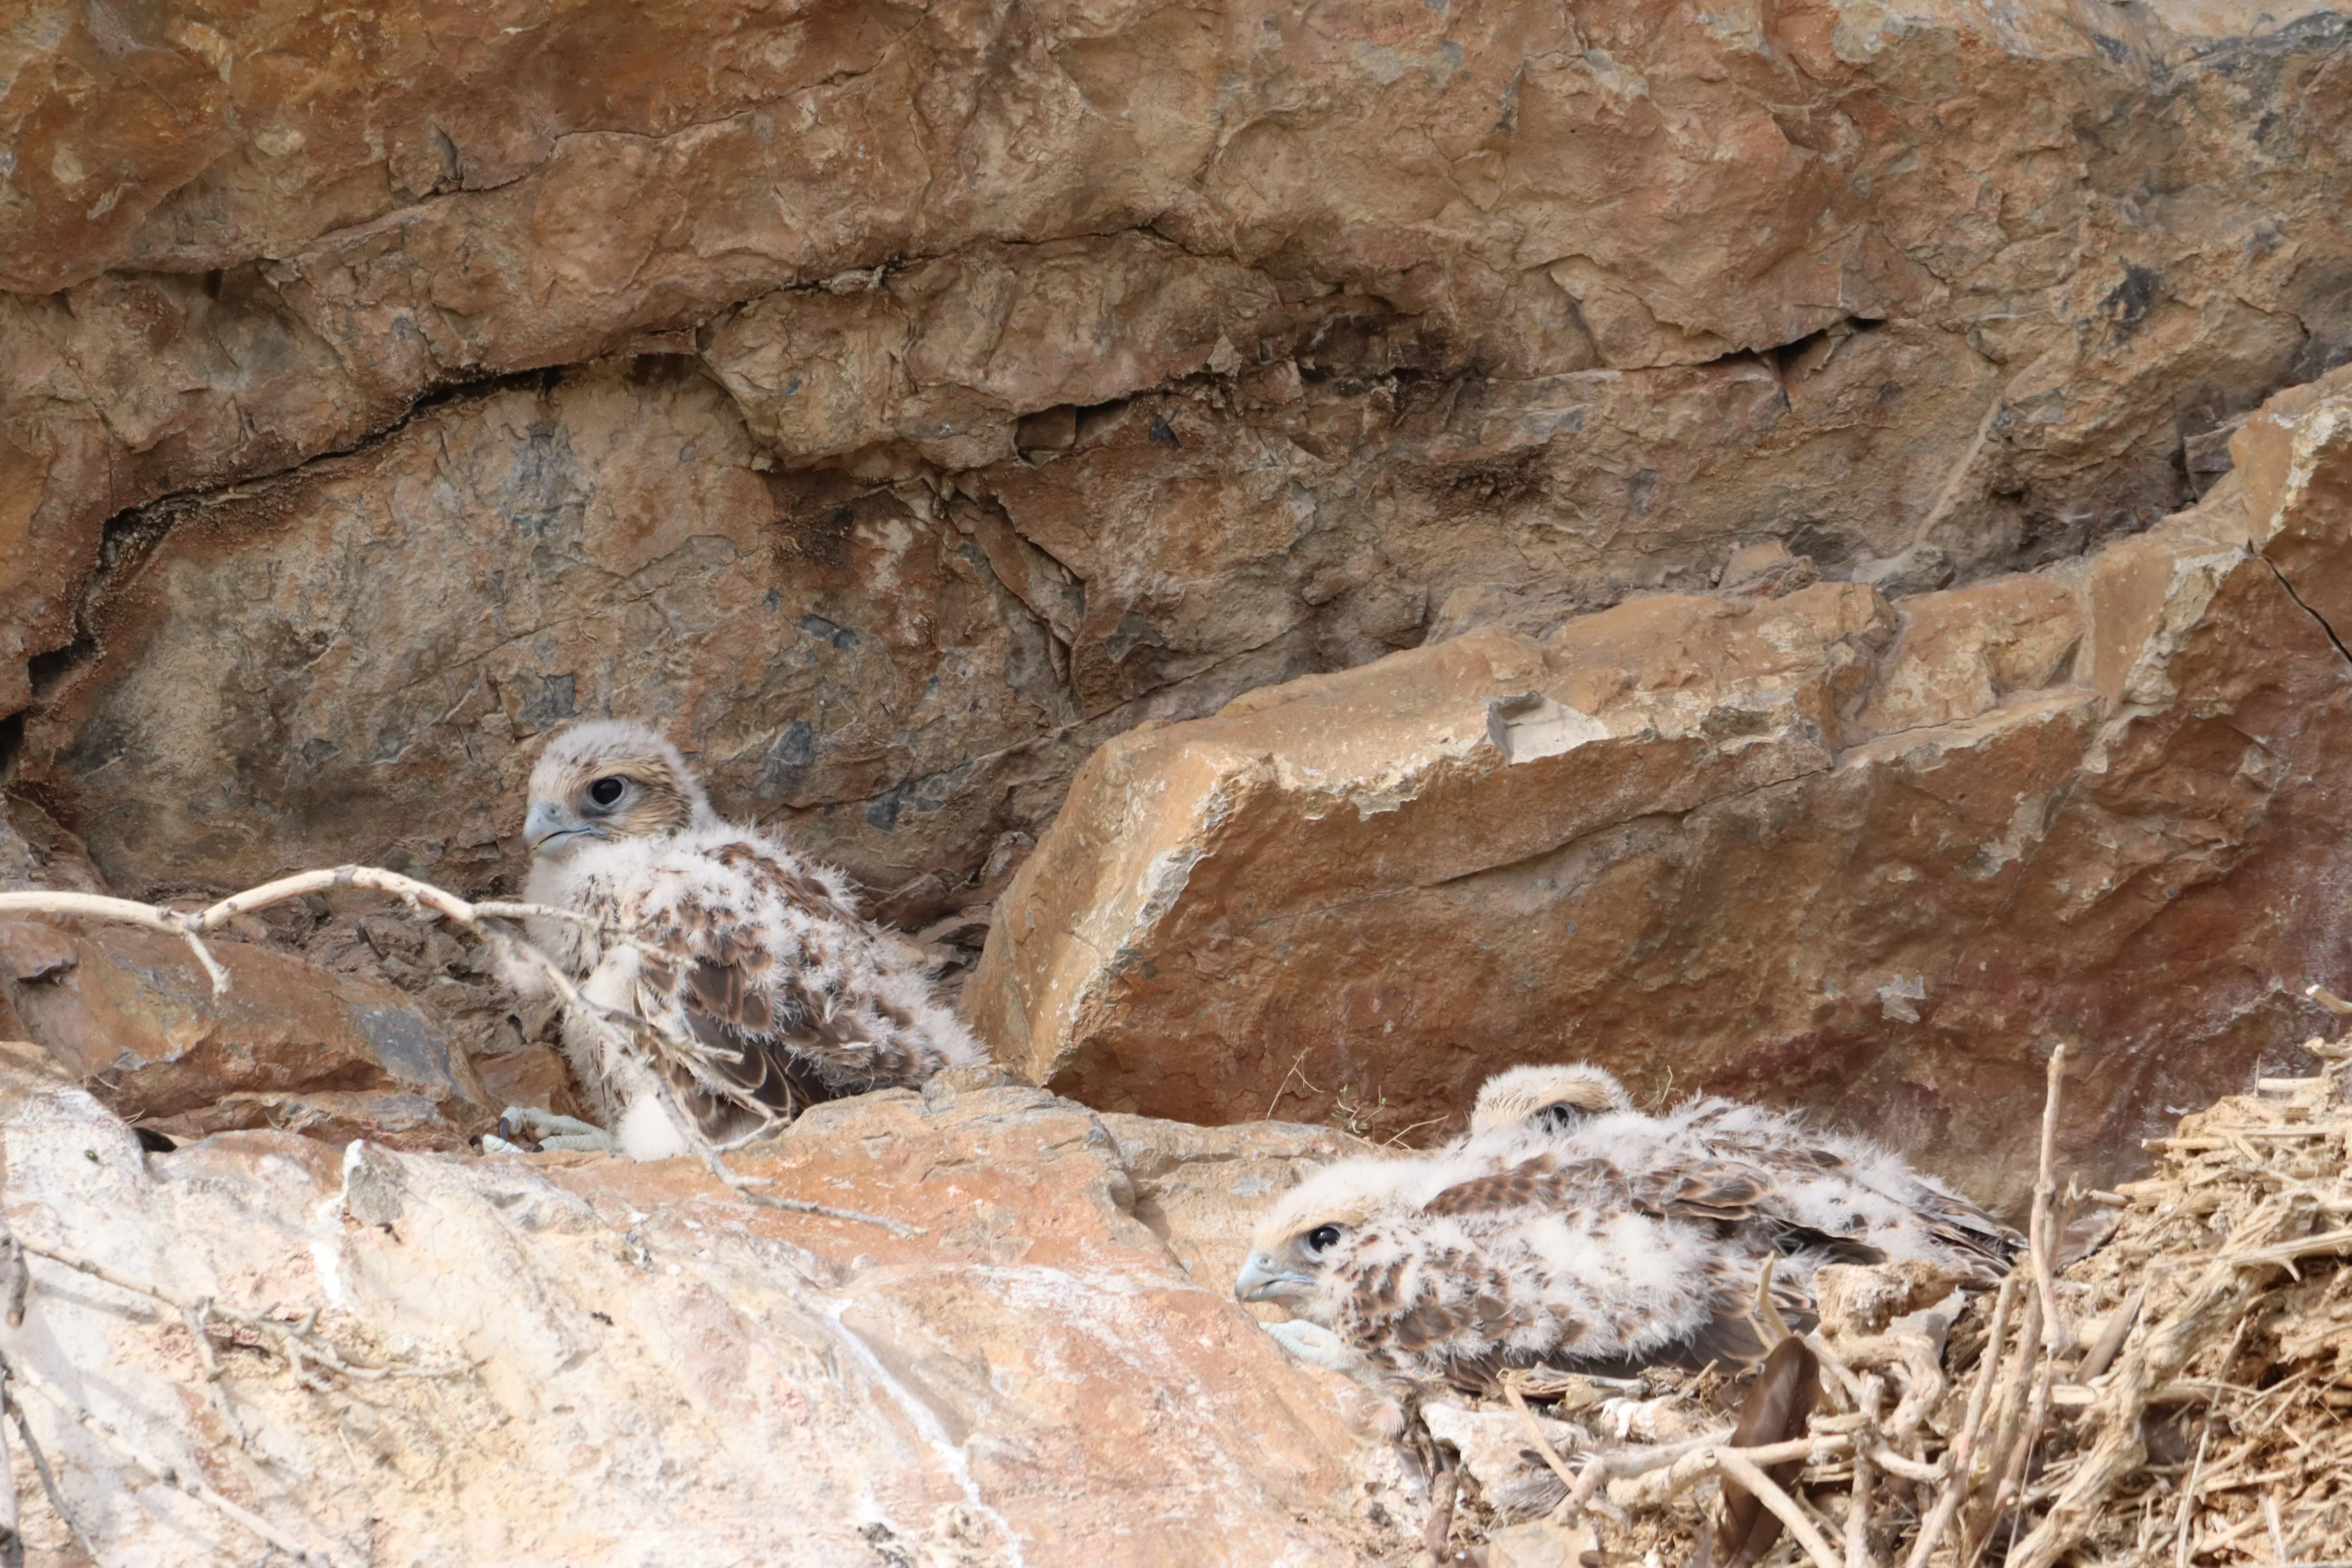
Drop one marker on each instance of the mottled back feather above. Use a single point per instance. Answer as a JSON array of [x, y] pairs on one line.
[[753, 964], [1606, 1241]]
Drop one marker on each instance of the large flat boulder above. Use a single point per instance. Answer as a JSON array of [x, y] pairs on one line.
[[1820, 848], [647, 1370]]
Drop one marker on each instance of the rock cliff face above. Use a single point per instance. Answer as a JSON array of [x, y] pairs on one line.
[[904, 401], [1795, 549]]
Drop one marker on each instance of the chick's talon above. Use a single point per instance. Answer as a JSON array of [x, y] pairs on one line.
[[530, 1127], [1314, 1343]]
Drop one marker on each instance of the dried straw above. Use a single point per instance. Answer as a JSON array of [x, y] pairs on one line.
[[2216, 1323]]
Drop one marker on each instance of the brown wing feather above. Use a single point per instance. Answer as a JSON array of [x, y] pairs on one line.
[[1722, 1193], [1522, 1188], [767, 1034], [713, 977], [1545, 1181], [1966, 1228], [1775, 1411]]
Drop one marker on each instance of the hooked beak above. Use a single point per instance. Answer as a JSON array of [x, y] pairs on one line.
[[1262, 1278], [546, 824]]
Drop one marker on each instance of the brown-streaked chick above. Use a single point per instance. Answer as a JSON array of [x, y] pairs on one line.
[[739, 950], [1568, 1229], [1446, 1270]]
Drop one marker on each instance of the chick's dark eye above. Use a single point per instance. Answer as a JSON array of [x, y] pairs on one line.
[[1322, 1236], [606, 791]]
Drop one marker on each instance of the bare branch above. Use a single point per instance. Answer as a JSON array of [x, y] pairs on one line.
[[1544, 1449], [12, 1535], [41, 1468], [16, 1279], [1963, 1457], [106, 1435], [1439, 1529], [296, 1341], [2328, 999], [2043, 1225], [121, 912], [1857, 1515]]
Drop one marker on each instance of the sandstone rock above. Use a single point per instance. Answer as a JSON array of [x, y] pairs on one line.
[[947, 356], [1818, 848], [647, 1369], [1203, 1189], [1542, 1544], [130, 1014], [1312, 323], [395, 1118], [2295, 458]]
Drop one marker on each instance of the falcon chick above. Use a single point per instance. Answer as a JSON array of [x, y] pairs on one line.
[[739, 950], [1568, 1229], [1553, 1098]]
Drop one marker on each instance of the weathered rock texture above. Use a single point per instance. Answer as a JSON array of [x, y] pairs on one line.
[[1820, 848], [288, 1045], [900, 404], [901, 401], [648, 1370]]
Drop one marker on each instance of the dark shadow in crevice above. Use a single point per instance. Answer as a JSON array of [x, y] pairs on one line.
[[1784, 360], [129, 536], [1789, 359], [48, 671]]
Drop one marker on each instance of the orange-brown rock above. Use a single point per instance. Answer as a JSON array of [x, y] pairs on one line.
[[1231, 345], [1820, 848], [640, 1366], [1201, 1190], [130, 1014]]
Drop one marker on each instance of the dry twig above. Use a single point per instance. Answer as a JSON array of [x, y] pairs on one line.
[[297, 1341], [1551, 1456], [191, 1486], [48, 1477], [634, 1036]]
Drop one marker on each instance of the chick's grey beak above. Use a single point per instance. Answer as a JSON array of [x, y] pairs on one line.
[[1262, 1278], [546, 822]]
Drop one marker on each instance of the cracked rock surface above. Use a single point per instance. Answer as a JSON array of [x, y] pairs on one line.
[[642, 1369], [1822, 848], [903, 401]]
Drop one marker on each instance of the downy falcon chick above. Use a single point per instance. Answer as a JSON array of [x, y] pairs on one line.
[[742, 952], [1568, 1230]]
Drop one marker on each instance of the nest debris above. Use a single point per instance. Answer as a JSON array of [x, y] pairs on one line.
[[2177, 1395]]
